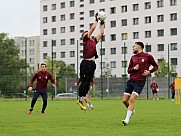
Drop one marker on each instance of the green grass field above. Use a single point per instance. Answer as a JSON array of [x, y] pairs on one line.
[[64, 118]]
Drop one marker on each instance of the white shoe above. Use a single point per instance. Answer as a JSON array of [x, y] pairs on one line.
[[124, 122], [91, 107], [157, 98]]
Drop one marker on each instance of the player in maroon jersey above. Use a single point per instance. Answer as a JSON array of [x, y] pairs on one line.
[[42, 78], [154, 88], [88, 65], [172, 87], [138, 69]]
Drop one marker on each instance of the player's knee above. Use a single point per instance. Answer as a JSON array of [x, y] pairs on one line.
[[131, 101]]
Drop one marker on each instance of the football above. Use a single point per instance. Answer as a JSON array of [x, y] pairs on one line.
[[102, 16]]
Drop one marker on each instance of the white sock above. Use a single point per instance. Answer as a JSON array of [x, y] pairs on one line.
[[129, 113], [81, 98], [87, 104]]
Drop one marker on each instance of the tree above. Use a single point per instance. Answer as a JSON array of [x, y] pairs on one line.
[[163, 69], [62, 71], [11, 66]]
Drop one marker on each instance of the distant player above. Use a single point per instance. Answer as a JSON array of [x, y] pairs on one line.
[[172, 87], [88, 65], [154, 88], [138, 69], [88, 102], [42, 78]]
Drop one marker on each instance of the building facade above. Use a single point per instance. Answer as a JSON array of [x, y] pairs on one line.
[[155, 23], [32, 46]]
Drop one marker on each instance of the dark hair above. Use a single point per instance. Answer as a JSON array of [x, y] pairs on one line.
[[84, 33], [140, 44], [43, 64]]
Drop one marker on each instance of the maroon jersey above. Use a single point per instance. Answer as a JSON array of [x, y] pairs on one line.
[[172, 86], [42, 80], [89, 47], [154, 86], [144, 60]]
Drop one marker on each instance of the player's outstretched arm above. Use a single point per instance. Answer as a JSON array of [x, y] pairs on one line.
[[93, 27], [101, 33]]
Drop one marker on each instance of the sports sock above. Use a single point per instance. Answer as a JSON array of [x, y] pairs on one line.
[[129, 113], [87, 104]]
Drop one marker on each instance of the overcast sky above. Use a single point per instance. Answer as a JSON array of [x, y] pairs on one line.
[[20, 17]]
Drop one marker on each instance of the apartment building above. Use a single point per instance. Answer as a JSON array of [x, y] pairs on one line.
[[154, 22], [32, 46]]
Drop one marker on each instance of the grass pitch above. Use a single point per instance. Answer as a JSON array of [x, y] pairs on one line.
[[64, 118]]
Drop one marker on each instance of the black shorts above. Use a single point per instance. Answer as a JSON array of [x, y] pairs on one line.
[[43, 94], [134, 86], [154, 91]]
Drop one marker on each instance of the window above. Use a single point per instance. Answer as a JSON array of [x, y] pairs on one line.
[[53, 6], [173, 31], [103, 38], [62, 29], [72, 16], [62, 41], [113, 37], [91, 13], [90, 25], [45, 55], [82, 5], [102, 10], [159, 3], [81, 0], [124, 50], [174, 61], [53, 18], [72, 3], [72, 28], [91, 1], [147, 48], [113, 10], [45, 20], [62, 5], [82, 25], [160, 32], [113, 50], [45, 31], [173, 16], [124, 22], [160, 47], [62, 17], [45, 8], [124, 36], [173, 2], [72, 41], [160, 60], [173, 46], [113, 23], [72, 53], [102, 0], [81, 13], [54, 42], [103, 65], [62, 54], [147, 5], [135, 7], [102, 51], [124, 64], [53, 30], [45, 43], [135, 35], [147, 34], [147, 19], [81, 18], [135, 21], [124, 8], [72, 65], [54, 55], [113, 64], [160, 18]]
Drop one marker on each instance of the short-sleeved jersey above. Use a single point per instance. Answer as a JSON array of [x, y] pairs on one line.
[[154, 86], [89, 47]]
